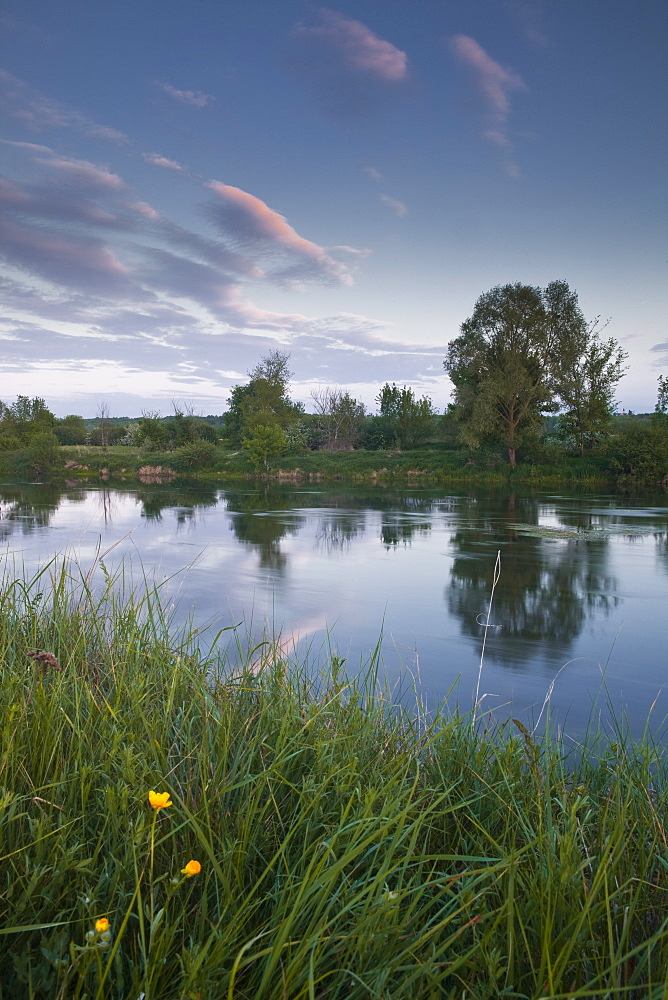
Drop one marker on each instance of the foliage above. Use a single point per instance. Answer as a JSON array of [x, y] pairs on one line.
[[340, 419], [264, 403], [508, 358], [264, 441], [639, 449], [71, 430], [23, 420], [319, 841], [155, 433], [44, 453], [662, 396], [586, 388], [192, 456], [410, 420]]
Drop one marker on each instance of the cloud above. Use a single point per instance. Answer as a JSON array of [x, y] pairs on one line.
[[248, 223], [494, 84], [193, 97], [493, 81], [161, 161], [358, 47], [144, 209], [397, 207], [81, 263], [182, 277], [350, 71], [529, 14], [374, 174], [39, 113], [48, 202], [85, 174], [661, 349]]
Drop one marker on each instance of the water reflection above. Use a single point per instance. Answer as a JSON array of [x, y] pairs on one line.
[[255, 522], [574, 570], [25, 508], [548, 587], [184, 501]]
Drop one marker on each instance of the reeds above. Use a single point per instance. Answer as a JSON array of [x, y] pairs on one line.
[[346, 848]]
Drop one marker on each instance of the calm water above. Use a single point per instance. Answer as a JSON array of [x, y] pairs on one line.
[[583, 585]]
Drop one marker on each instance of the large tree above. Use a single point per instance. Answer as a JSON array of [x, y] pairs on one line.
[[506, 362]]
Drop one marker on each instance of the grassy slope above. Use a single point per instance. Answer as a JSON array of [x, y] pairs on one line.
[[421, 465], [346, 850]]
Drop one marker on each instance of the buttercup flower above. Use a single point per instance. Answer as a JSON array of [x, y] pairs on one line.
[[101, 925], [192, 868], [159, 800]]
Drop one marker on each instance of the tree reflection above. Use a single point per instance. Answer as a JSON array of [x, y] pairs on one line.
[[257, 520], [185, 502], [547, 590], [25, 508], [396, 528], [337, 530]]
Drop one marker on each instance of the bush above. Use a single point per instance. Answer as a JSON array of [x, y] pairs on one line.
[[196, 455], [640, 450]]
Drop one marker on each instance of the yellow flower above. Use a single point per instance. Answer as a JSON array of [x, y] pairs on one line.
[[159, 800], [101, 925], [192, 868]]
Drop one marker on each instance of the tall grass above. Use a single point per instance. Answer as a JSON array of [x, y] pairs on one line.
[[346, 849]]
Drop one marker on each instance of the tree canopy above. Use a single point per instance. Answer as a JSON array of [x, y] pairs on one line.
[[523, 353]]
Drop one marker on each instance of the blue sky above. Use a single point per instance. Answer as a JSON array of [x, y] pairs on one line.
[[187, 186]]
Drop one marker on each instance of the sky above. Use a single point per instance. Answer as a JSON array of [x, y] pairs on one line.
[[187, 186]]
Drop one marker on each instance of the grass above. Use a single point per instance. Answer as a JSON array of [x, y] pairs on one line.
[[435, 464], [347, 847]]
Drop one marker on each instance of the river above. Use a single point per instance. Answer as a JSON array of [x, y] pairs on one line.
[[580, 609]]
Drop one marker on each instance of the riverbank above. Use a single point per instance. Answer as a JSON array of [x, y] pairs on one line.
[[342, 847], [424, 466]]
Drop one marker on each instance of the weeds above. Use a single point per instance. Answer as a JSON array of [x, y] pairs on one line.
[[303, 837]]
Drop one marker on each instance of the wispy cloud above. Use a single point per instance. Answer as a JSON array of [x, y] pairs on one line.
[[358, 47], [85, 174], [662, 350], [144, 209], [39, 113], [156, 160], [530, 16], [397, 207], [249, 223], [493, 83], [81, 263], [349, 69], [374, 174], [195, 98]]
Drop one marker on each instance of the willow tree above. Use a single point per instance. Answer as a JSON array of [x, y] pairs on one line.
[[506, 363]]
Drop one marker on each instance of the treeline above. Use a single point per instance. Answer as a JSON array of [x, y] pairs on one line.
[[534, 383]]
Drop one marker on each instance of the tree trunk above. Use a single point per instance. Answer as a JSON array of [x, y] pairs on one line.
[[512, 457]]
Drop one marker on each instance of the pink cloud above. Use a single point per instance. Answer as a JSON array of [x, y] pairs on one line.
[[360, 48], [161, 161], [144, 209], [86, 174], [193, 97], [83, 264], [494, 84], [32, 147], [249, 221], [492, 80]]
